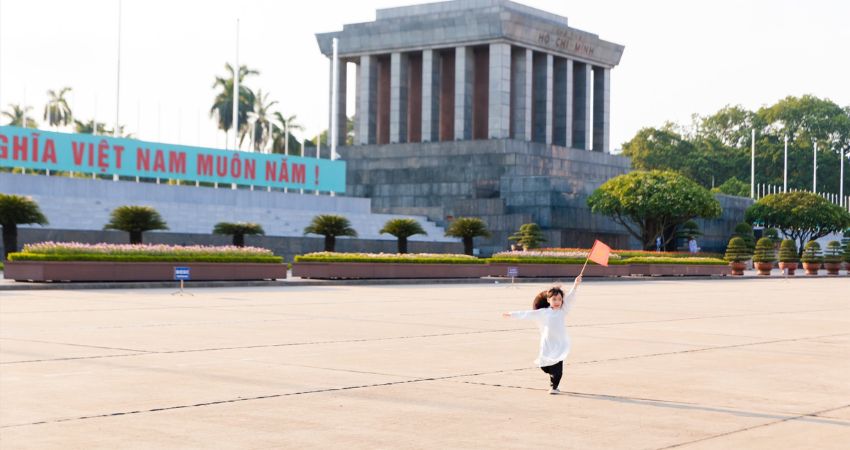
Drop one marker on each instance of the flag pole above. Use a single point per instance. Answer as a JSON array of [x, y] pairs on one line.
[[586, 259]]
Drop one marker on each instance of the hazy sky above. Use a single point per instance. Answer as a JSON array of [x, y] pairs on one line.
[[681, 57]]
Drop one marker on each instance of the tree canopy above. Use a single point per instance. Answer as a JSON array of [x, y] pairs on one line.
[[402, 229], [716, 148], [17, 210], [467, 228], [801, 216], [653, 203], [135, 220]]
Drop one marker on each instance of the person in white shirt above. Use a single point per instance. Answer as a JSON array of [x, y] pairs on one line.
[[554, 340]]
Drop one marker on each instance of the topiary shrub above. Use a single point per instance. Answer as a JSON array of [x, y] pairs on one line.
[[737, 250], [773, 235], [745, 232], [764, 253], [812, 253], [529, 236], [832, 254], [788, 251]]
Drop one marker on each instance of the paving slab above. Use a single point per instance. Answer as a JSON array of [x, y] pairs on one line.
[[655, 364]]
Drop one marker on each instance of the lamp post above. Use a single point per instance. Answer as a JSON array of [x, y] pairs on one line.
[[815, 169], [785, 171], [753, 167]]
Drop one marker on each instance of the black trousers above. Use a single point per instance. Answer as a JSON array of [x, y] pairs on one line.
[[555, 371]]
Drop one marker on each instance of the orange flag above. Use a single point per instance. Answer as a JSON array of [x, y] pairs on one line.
[[599, 253]]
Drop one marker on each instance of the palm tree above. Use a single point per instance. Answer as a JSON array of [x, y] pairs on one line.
[[135, 220], [281, 131], [238, 231], [56, 111], [222, 107], [17, 210], [467, 228], [90, 127], [262, 122], [330, 226], [402, 229], [18, 117]]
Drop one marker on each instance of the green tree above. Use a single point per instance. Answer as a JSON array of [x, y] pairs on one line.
[[529, 236], [261, 119], [56, 111], [745, 231], [649, 204], [402, 229], [17, 210], [19, 117], [737, 250], [282, 136], [222, 107], [330, 226], [238, 230], [802, 216], [733, 186], [467, 228], [135, 220], [90, 127]]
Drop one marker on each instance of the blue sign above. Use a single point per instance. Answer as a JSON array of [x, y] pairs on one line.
[[181, 273], [31, 148], [513, 272]]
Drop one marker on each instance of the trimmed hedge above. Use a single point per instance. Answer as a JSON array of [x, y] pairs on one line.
[[407, 258], [548, 260], [22, 256], [676, 260]]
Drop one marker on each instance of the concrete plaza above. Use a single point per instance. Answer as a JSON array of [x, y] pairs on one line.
[[655, 364]]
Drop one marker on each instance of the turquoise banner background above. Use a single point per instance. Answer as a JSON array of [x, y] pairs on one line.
[[39, 149]]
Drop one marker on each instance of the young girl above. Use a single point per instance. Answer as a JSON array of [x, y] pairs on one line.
[[550, 310]]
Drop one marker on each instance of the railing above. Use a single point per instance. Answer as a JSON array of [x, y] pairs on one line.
[[763, 189]]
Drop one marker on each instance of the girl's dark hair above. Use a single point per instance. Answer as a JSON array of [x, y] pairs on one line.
[[541, 300]]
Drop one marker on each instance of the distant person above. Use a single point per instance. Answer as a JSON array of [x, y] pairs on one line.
[[549, 311], [658, 244], [692, 245]]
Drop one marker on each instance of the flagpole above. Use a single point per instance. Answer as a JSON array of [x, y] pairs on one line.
[[587, 259]]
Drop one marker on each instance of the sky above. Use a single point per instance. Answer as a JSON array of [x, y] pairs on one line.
[[681, 57]]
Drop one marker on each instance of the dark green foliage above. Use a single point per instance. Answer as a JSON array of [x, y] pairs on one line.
[[802, 216], [737, 250], [788, 251], [765, 252], [24, 256], [406, 259], [529, 236], [330, 226], [17, 210], [467, 228], [402, 229], [688, 230], [812, 253], [238, 230], [773, 235], [649, 204], [832, 253], [135, 220], [745, 231], [733, 186]]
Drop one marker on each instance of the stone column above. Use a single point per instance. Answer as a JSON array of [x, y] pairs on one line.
[[562, 103], [398, 97], [341, 118], [581, 106], [463, 93], [499, 93], [430, 96], [601, 109], [367, 99], [541, 128], [521, 94]]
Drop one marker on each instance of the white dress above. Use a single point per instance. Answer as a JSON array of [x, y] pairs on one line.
[[554, 340]]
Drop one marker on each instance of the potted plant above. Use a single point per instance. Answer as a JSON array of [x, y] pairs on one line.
[[847, 253], [832, 258], [812, 258], [764, 256], [788, 256], [737, 253]]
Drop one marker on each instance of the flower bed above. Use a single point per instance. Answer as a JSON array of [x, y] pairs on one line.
[[387, 265], [50, 261], [568, 263]]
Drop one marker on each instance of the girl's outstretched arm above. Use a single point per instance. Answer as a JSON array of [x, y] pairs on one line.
[[570, 297], [531, 314]]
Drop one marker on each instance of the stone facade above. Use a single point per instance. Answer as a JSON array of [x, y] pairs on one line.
[[473, 66]]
